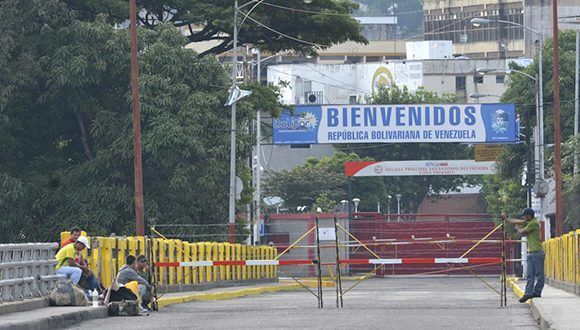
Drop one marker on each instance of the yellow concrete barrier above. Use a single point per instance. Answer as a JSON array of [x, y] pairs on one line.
[[563, 258], [108, 254]]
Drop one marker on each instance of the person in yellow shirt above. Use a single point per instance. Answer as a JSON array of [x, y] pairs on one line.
[[65, 259]]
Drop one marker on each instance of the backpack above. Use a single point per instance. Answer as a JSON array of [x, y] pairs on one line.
[[66, 293]]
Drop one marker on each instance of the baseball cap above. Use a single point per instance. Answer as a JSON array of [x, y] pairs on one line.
[[527, 211], [85, 241], [141, 258]]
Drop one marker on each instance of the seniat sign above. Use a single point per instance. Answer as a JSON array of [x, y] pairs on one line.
[[406, 123], [419, 167]]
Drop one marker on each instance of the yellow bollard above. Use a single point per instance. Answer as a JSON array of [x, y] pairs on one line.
[[121, 252], [236, 270], [215, 256], [186, 247], [228, 257], [179, 258], [208, 257], [201, 254], [194, 270], [243, 255], [171, 258], [221, 256], [162, 258]]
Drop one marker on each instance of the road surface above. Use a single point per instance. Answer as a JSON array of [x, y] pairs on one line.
[[382, 303]]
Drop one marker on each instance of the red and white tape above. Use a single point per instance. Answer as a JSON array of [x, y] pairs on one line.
[[296, 262]]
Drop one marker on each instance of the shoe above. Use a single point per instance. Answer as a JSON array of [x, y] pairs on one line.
[[526, 297], [537, 295]]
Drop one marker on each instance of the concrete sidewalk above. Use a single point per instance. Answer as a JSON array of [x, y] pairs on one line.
[[25, 317], [557, 309]]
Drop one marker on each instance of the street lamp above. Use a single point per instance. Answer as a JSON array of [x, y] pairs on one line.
[[235, 95], [389, 197], [536, 134], [343, 202], [477, 95], [540, 82], [356, 201], [398, 196]]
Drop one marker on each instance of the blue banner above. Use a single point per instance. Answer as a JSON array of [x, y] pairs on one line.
[[405, 123]]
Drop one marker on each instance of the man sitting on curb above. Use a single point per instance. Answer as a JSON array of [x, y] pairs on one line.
[[530, 227], [128, 273], [65, 260], [143, 271]]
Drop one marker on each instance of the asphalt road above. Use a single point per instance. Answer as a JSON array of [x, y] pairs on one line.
[[388, 303]]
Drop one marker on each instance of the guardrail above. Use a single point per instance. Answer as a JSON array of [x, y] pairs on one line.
[[107, 256], [26, 270], [563, 260]]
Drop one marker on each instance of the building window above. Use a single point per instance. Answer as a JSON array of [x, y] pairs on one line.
[[460, 83], [500, 79], [300, 146], [478, 79]]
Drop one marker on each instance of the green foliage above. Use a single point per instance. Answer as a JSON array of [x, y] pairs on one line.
[[217, 16], [501, 193], [325, 204], [322, 180]]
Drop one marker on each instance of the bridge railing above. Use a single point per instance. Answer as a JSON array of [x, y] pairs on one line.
[[563, 260], [26, 270]]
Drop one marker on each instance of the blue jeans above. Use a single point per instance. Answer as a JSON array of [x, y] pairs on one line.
[[535, 273], [73, 273]]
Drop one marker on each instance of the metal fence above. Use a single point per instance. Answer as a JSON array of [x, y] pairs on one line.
[[26, 270]]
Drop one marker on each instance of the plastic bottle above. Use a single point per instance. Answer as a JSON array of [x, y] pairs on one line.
[[95, 296]]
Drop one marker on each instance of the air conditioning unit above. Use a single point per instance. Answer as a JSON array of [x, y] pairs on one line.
[[313, 98]]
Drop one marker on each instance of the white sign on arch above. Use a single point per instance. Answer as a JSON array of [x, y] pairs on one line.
[[419, 167]]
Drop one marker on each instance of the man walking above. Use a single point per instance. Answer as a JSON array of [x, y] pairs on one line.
[[530, 227]]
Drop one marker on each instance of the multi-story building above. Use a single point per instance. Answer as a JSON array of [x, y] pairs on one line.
[[451, 20]]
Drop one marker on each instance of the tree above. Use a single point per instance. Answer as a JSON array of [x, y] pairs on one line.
[[414, 189], [321, 182], [319, 24], [520, 91], [67, 151]]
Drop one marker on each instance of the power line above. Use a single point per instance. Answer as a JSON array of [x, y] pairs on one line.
[[283, 34]]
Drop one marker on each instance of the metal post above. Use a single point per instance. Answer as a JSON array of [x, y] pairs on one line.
[[503, 295], [259, 70], [318, 266], [232, 206], [576, 101], [258, 222], [338, 284], [349, 199], [137, 161], [557, 136]]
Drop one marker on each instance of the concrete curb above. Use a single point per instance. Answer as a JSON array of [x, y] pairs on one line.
[[164, 302], [513, 283], [23, 306], [45, 318]]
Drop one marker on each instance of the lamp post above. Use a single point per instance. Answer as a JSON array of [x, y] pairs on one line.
[[344, 203], [540, 97], [389, 197], [398, 196], [235, 95], [478, 96], [356, 201], [536, 135]]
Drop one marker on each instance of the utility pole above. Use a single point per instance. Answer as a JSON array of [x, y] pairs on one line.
[[576, 101], [557, 137], [232, 206], [137, 161]]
